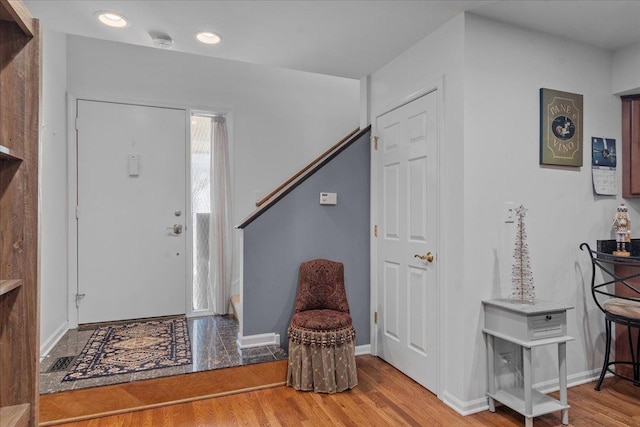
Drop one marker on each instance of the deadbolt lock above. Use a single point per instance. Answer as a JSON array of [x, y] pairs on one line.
[[176, 229]]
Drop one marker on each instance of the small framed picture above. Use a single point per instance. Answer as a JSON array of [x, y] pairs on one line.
[[560, 128]]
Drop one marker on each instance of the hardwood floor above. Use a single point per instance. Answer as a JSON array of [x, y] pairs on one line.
[[383, 397], [119, 398]]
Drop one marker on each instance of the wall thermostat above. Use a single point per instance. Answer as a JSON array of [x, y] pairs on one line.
[[328, 198]]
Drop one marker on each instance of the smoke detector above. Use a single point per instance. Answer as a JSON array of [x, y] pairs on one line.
[[162, 41]]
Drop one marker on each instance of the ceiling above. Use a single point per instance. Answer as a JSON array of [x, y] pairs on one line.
[[340, 38]]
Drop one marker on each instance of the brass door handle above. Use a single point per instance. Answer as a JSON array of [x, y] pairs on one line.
[[428, 257]]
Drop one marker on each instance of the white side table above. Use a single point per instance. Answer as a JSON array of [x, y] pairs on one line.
[[527, 325]]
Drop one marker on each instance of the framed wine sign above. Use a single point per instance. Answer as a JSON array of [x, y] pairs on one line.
[[560, 128]]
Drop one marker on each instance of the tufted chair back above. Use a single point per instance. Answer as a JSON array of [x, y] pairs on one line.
[[321, 286]]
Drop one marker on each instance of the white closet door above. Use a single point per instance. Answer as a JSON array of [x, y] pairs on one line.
[[407, 217]]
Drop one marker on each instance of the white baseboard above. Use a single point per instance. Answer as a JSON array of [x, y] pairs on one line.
[[363, 349], [47, 345], [482, 404], [258, 340], [465, 408], [572, 381]]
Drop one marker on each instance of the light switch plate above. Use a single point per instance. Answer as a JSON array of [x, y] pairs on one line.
[[134, 165], [509, 212]]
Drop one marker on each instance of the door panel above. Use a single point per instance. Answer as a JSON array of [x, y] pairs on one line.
[[391, 301], [131, 183], [417, 199], [407, 210], [391, 221], [417, 301]]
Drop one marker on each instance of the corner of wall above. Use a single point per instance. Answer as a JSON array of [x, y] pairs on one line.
[[258, 340], [365, 101], [52, 235], [465, 408], [625, 72], [47, 344]]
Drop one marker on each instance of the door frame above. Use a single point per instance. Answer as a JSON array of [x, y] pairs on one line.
[[436, 86], [72, 190]]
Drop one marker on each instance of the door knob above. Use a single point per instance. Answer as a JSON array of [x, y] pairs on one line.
[[176, 229], [428, 257]]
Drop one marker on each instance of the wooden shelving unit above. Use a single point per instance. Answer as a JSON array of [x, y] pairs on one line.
[[15, 416], [9, 285], [19, 318], [7, 153]]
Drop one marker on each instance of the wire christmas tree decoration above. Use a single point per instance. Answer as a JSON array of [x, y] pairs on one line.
[[522, 290]]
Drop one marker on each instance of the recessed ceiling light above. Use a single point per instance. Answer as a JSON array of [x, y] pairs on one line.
[[111, 19], [208, 37]]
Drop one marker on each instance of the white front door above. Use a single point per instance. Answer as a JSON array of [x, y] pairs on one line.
[[131, 192], [407, 218]]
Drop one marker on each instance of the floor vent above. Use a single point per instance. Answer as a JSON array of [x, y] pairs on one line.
[[62, 364]]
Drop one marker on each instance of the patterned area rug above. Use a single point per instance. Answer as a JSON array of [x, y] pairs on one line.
[[133, 347]]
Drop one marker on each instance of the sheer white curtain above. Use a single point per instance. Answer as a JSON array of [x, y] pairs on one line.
[[220, 229]]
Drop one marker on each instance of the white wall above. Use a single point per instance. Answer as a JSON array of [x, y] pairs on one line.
[[505, 66], [282, 119], [626, 70], [53, 190], [492, 74], [437, 59]]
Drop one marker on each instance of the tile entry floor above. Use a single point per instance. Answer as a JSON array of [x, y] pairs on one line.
[[213, 346]]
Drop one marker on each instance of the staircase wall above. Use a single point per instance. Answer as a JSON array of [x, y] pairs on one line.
[[297, 229]]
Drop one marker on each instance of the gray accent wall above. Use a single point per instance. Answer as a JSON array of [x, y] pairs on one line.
[[299, 229]]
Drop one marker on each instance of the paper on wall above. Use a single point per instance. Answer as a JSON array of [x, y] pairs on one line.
[[603, 166]]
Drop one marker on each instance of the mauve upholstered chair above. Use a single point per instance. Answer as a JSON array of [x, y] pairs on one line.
[[321, 334]]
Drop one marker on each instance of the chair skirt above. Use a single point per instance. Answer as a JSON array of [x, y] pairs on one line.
[[322, 368]]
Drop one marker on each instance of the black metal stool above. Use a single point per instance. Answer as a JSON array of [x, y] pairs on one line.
[[620, 309]]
